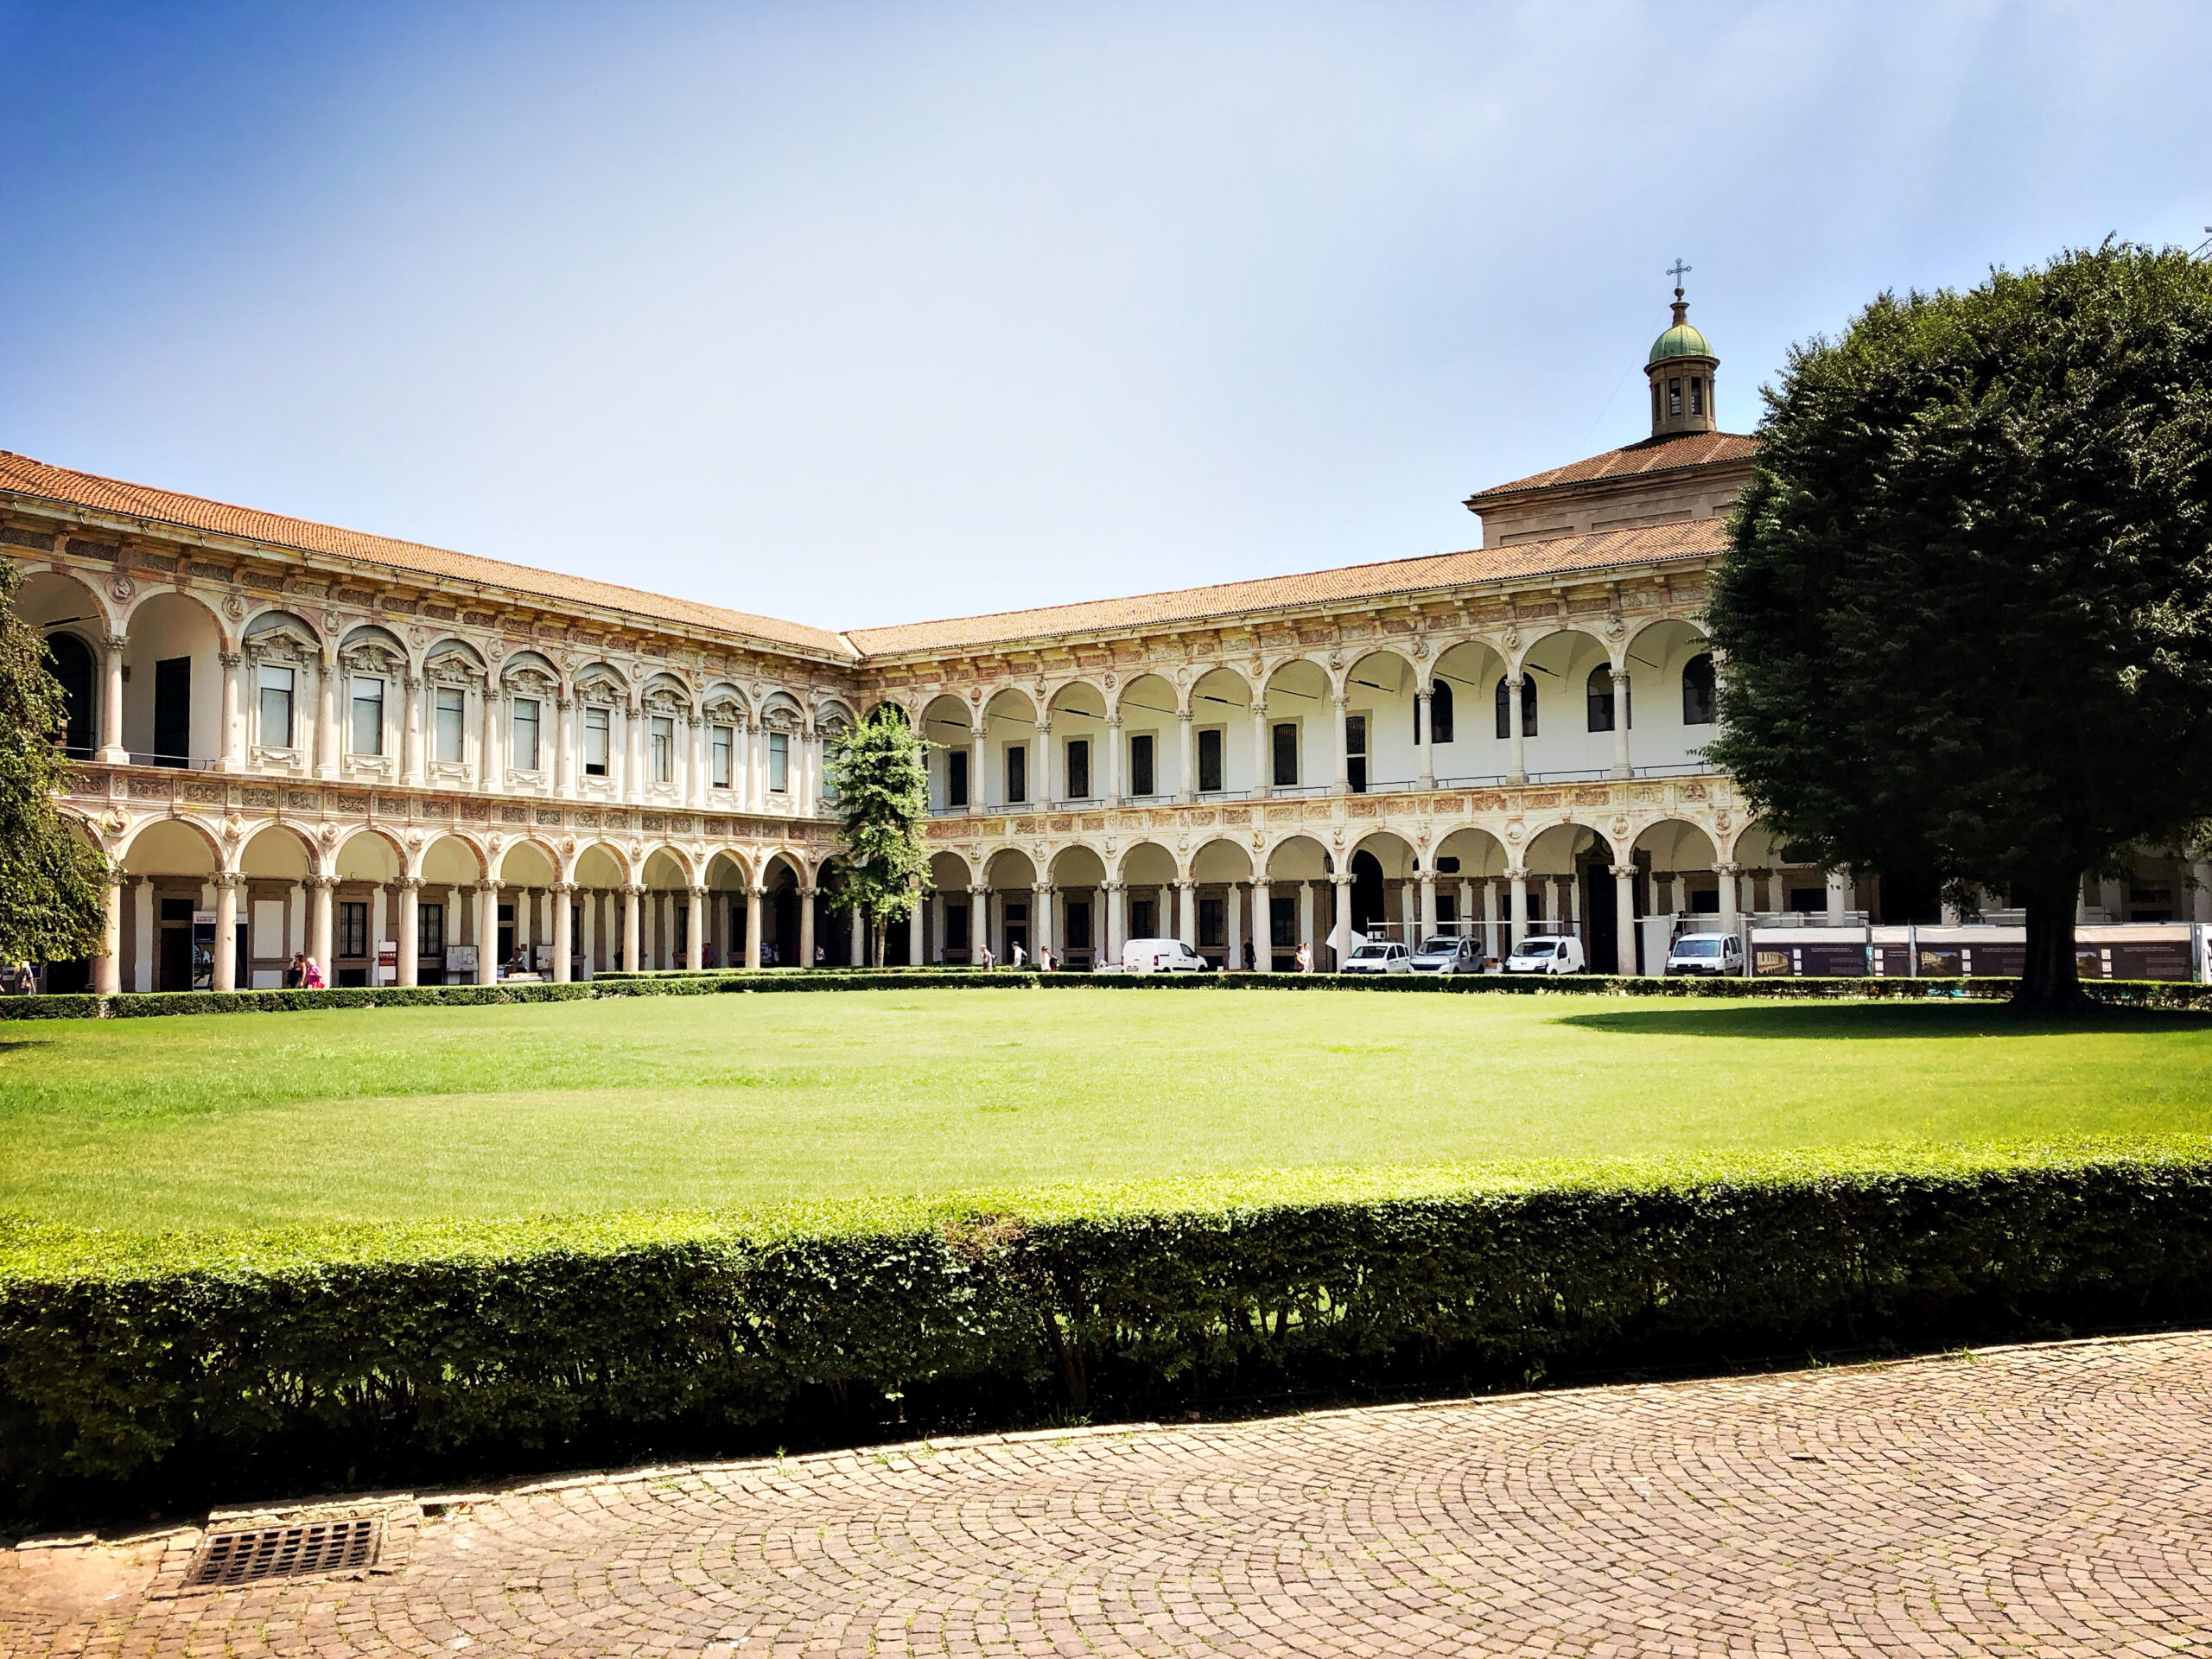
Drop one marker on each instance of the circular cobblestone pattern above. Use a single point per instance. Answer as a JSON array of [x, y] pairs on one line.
[[2050, 1499]]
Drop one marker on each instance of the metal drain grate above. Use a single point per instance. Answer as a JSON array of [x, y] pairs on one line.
[[312, 1546]]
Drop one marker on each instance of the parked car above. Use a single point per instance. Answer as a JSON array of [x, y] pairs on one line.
[[1379, 957], [1546, 953], [1446, 954], [1706, 953], [1160, 957]]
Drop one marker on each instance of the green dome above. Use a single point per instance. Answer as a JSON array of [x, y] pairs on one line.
[[1681, 341]]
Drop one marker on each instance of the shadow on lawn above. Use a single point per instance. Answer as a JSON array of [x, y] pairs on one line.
[[1826, 1020]]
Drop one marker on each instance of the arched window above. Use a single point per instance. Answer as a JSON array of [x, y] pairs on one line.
[[1440, 712], [1505, 707], [1600, 695], [74, 668], [1697, 690]]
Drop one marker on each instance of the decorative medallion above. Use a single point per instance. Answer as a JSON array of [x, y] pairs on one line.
[[234, 607], [123, 588]]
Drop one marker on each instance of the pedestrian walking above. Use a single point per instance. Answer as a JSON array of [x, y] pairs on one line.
[[1304, 957]]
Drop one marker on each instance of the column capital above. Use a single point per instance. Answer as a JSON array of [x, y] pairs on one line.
[[1340, 878], [978, 888], [563, 887], [1620, 676], [633, 889], [1516, 872], [230, 658], [809, 893], [489, 883], [409, 884], [1185, 714], [1625, 871], [119, 642], [1420, 693], [1726, 868], [1114, 719], [231, 878], [702, 892]]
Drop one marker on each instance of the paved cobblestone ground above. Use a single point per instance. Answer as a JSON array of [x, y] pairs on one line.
[[2048, 1500]]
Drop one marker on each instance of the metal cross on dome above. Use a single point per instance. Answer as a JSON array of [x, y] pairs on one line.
[[1678, 270]]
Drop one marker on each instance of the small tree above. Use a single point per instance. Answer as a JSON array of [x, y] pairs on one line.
[[883, 791], [52, 906], [1966, 607]]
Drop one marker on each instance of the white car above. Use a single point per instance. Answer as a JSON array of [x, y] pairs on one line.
[[1379, 957], [1706, 953], [1546, 953], [1448, 954], [1160, 957]]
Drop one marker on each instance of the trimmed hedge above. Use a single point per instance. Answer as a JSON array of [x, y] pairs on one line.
[[182, 1368], [2134, 994]]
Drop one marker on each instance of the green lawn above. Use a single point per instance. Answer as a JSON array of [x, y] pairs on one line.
[[695, 1102]]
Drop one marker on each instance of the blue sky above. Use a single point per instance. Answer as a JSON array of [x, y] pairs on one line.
[[857, 313]]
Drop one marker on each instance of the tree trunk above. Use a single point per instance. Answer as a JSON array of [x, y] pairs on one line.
[[2050, 980], [876, 933]]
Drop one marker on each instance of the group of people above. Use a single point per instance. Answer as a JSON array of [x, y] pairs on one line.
[[305, 973]]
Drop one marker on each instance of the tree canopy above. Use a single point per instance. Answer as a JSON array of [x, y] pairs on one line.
[[881, 776], [52, 907], [1966, 612]]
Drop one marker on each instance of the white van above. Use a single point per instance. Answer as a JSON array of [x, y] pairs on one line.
[[1546, 953], [1160, 957], [1706, 953]]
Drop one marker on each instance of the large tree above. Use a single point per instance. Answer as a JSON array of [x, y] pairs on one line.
[[52, 903], [1966, 611], [879, 769]]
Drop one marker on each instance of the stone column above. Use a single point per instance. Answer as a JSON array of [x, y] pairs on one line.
[[1427, 904], [1466, 901], [1262, 767], [326, 725], [228, 738], [1515, 727], [1113, 766], [564, 745], [410, 740], [632, 952], [590, 941], [1305, 934], [2200, 896], [1728, 896], [938, 905], [142, 945], [410, 910], [917, 927], [1233, 947], [633, 764], [1186, 757], [695, 931], [319, 927], [1263, 928], [696, 762], [756, 901], [1340, 924], [1427, 737], [107, 964], [1186, 912], [1117, 921], [1040, 917], [978, 780], [492, 769], [1046, 772], [1341, 784], [1520, 912], [1623, 915], [487, 931], [806, 897], [111, 749], [1621, 767], [226, 930], [756, 766], [1490, 918], [564, 942]]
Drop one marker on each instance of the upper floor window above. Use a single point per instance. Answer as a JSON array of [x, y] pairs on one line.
[[779, 762], [725, 756], [452, 711], [1700, 690], [1143, 779], [276, 707], [1078, 768], [956, 777], [1440, 712], [525, 758], [1697, 394], [664, 746], [1600, 692], [599, 742], [1209, 766], [1017, 772], [1505, 707], [1675, 397], [1286, 755], [368, 715], [1356, 753]]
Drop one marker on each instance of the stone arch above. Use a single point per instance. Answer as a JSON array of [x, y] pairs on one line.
[[1009, 867], [1297, 693], [369, 852], [1148, 707], [1469, 670], [601, 682], [724, 700], [1220, 703], [1384, 892], [161, 707], [950, 872], [182, 841], [278, 850], [1556, 667], [784, 878], [1674, 860], [73, 621], [946, 733], [1659, 656], [1299, 858], [454, 859]]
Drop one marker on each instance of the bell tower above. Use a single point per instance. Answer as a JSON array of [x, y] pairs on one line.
[[1681, 370]]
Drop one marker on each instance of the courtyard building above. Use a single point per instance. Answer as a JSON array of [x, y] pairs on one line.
[[418, 767]]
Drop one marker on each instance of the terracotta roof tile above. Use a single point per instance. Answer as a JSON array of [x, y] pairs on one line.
[[1651, 455], [1694, 538], [27, 477]]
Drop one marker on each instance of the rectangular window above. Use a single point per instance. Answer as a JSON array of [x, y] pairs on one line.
[[1017, 773], [277, 708], [598, 741], [956, 927], [1356, 753], [1141, 780], [430, 931], [1142, 914], [368, 716], [1282, 922], [725, 755], [1210, 768], [1213, 926], [1078, 768], [353, 929], [664, 746], [1286, 769], [524, 755], [956, 780], [1697, 394], [1440, 713], [1078, 924], [1674, 397], [450, 720], [780, 761]]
